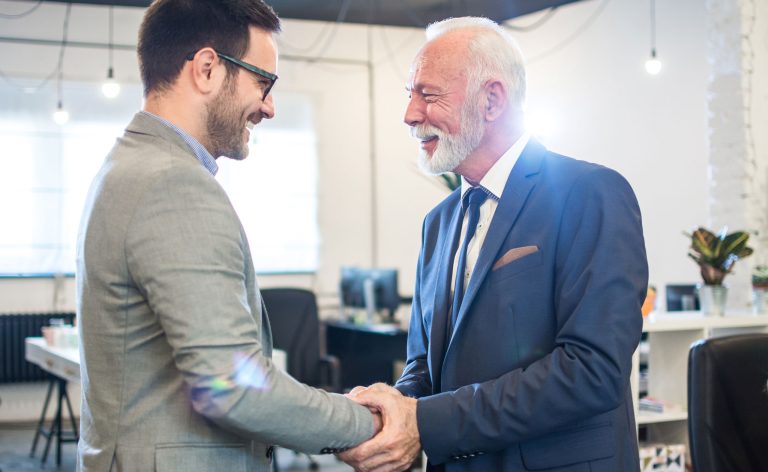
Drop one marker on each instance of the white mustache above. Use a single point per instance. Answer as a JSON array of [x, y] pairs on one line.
[[425, 132]]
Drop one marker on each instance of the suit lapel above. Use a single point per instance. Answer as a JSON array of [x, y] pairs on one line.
[[448, 244], [521, 181]]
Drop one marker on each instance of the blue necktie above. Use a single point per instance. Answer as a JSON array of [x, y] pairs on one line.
[[471, 203]]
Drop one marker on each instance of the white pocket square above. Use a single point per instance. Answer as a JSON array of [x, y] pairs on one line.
[[513, 255]]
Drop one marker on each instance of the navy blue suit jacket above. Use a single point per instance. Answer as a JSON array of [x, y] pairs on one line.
[[536, 374]]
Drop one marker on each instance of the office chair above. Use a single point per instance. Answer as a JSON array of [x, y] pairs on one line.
[[296, 330], [728, 404]]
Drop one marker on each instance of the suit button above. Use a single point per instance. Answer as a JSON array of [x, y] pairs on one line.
[[270, 452]]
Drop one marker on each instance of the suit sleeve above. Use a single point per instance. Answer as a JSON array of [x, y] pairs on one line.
[[186, 252], [601, 276], [416, 381]]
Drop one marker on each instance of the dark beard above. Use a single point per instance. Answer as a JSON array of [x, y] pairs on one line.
[[224, 125]]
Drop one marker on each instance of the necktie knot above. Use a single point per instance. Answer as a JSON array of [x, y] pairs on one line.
[[474, 198]]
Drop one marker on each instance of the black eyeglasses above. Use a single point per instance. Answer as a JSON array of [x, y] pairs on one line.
[[272, 78]]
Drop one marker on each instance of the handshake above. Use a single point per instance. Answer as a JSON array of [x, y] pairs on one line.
[[395, 444]]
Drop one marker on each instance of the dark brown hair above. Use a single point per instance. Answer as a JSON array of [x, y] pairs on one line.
[[173, 29]]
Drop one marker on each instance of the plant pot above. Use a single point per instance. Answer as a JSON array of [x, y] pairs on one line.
[[712, 299], [759, 300]]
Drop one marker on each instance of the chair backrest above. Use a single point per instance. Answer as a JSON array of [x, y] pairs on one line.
[[728, 404], [296, 330]]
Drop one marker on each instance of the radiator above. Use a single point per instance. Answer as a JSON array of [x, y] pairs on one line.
[[13, 329]]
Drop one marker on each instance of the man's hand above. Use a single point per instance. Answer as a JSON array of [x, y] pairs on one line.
[[377, 422], [398, 444]]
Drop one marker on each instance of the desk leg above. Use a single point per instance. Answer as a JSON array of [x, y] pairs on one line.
[[75, 430], [55, 428], [59, 414], [41, 423]]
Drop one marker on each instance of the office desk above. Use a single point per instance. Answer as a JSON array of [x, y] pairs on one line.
[[367, 353], [64, 366], [63, 363]]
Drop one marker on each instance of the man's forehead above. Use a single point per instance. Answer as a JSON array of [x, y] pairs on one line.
[[436, 64], [262, 48]]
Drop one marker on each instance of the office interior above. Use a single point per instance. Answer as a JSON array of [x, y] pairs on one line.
[[691, 140]]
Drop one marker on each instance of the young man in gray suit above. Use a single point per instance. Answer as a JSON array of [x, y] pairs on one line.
[[526, 310], [175, 341]]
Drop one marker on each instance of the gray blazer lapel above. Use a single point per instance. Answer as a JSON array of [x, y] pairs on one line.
[[521, 181], [450, 242]]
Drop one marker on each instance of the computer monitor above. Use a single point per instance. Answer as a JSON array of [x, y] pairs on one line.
[[371, 289], [682, 297]]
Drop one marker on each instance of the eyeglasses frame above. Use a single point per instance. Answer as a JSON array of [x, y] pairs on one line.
[[249, 67]]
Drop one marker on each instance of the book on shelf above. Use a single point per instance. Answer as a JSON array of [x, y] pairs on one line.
[[654, 405]]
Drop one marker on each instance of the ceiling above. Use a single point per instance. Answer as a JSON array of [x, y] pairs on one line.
[[387, 12]]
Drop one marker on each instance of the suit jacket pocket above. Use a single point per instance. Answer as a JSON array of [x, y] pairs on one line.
[[569, 447], [515, 267], [200, 457]]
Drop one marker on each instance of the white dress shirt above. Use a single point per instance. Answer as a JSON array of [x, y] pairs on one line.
[[493, 181]]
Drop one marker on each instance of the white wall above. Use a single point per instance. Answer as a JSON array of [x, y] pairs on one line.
[[605, 107]]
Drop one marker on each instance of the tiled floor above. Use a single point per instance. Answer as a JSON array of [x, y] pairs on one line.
[[16, 440]]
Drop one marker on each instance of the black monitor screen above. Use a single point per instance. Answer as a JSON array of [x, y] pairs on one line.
[[352, 287]]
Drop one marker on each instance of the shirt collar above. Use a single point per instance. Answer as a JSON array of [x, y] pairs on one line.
[[496, 177], [202, 154]]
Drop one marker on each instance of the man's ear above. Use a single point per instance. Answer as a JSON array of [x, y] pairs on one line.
[[496, 99], [204, 73]]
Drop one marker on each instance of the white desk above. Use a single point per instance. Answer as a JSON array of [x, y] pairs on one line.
[[65, 363]]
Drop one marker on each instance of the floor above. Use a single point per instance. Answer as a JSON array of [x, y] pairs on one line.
[[16, 440]]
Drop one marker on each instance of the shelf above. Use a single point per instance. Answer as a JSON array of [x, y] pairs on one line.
[[694, 320], [672, 414]]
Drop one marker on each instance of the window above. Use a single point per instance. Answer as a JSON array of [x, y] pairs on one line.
[[47, 169], [274, 190]]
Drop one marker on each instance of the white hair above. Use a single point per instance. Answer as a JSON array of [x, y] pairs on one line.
[[493, 52]]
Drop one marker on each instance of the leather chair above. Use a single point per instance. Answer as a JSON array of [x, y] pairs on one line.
[[296, 330], [728, 404]]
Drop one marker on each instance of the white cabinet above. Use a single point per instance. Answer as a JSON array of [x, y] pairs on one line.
[[670, 336]]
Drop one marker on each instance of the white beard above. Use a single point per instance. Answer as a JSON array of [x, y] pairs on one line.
[[450, 150]]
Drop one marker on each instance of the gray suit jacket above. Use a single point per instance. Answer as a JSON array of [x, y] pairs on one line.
[[175, 343]]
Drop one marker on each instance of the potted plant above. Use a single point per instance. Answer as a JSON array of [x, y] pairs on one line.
[[716, 255], [759, 288], [450, 180]]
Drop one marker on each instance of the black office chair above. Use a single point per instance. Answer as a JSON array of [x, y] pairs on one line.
[[728, 404], [296, 330]]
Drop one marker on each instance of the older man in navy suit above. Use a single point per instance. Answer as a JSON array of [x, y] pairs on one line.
[[526, 310]]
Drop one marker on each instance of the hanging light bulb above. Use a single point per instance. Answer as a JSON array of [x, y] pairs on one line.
[[60, 116], [653, 64], [110, 88]]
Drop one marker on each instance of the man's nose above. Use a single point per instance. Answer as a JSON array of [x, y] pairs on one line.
[[414, 113], [268, 108]]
